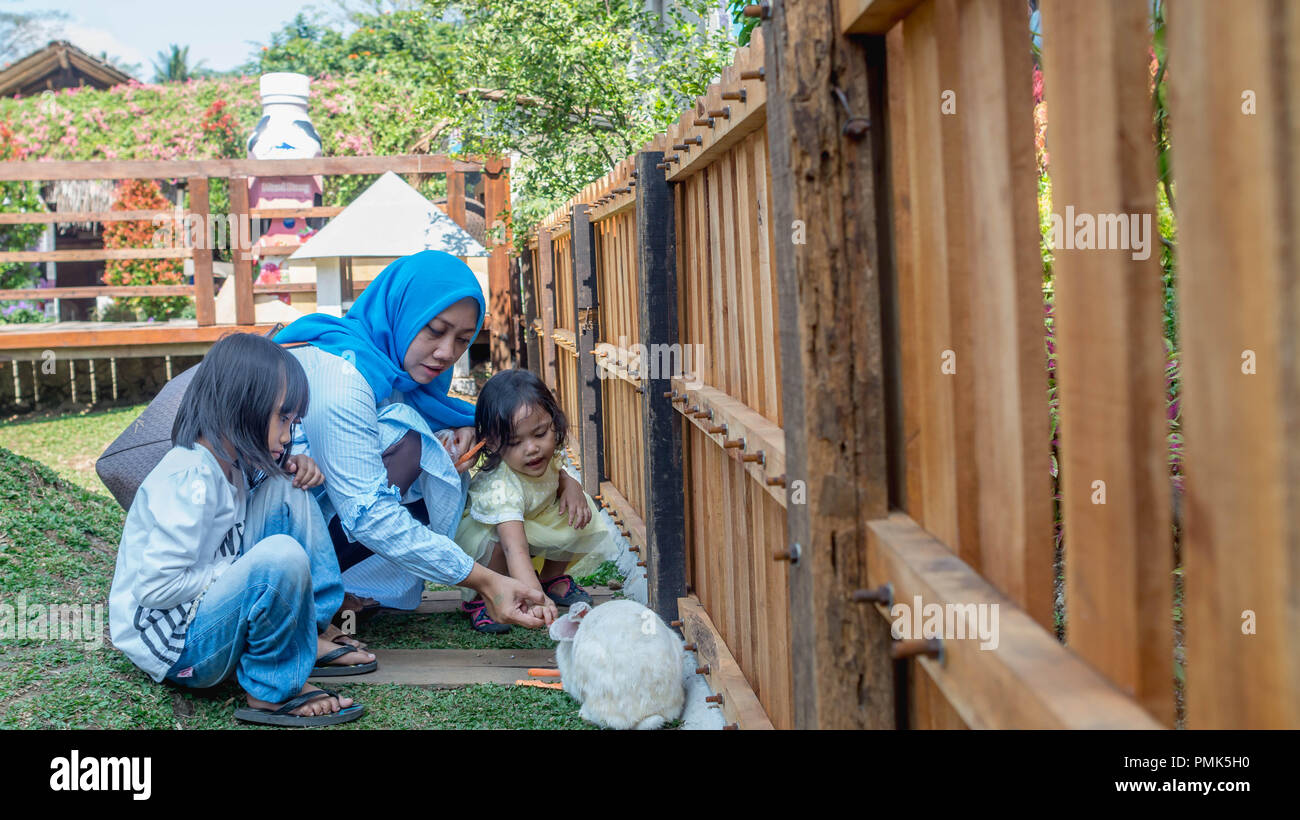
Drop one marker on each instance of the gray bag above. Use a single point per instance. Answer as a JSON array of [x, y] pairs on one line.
[[126, 462]]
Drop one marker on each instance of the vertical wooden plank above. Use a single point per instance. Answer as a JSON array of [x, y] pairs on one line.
[[1006, 324], [205, 307], [909, 348], [456, 198], [528, 290], [1238, 175], [590, 416], [242, 257], [831, 349], [546, 273], [501, 297], [767, 291], [1110, 353], [656, 266]]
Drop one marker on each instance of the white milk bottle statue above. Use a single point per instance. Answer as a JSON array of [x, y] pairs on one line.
[[285, 131]]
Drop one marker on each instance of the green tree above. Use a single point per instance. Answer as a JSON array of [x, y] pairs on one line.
[[22, 32], [574, 89], [173, 66]]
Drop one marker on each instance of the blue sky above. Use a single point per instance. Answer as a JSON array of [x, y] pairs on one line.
[[217, 31]]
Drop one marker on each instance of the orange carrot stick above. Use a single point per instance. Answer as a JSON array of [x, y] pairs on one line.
[[539, 684], [544, 673], [471, 453]]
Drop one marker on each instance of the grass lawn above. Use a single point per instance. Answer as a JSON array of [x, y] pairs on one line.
[[58, 544], [71, 443]]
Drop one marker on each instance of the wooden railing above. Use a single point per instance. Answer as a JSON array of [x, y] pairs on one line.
[[198, 174]]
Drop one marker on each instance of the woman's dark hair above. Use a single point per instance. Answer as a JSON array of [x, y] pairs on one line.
[[499, 401], [233, 394]]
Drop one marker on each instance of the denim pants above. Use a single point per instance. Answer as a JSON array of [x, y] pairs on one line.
[[260, 618]]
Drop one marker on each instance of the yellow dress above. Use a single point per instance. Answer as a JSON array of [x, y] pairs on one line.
[[504, 495]]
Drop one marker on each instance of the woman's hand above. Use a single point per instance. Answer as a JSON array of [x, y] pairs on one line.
[[510, 601], [573, 501], [305, 472], [464, 439]]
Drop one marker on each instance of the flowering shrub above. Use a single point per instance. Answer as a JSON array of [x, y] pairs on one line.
[[18, 197], [219, 125], [143, 195]]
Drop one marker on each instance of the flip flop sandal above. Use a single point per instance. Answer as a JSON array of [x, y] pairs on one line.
[[323, 669], [481, 620], [575, 595], [281, 716]]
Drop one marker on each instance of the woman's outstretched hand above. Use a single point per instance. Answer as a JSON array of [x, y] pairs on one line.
[[510, 601], [464, 439]]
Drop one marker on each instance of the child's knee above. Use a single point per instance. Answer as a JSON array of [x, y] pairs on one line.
[[280, 560]]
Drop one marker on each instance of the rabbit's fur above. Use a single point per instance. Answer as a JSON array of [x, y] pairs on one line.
[[622, 663]]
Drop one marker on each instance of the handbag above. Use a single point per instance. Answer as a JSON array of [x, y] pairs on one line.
[[124, 464]]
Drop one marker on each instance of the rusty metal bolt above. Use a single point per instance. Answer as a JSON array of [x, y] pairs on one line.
[[791, 554], [697, 139], [755, 74], [737, 443], [640, 563], [671, 395], [690, 647], [633, 548], [735, 95], [714, 698], [913, 647], [702, 670], [675, 624], [724, 112], [716, 429], [731, 727], [776, 480], [762, 11], [681, 146], [758, 457], [883, 594], [703, 121]]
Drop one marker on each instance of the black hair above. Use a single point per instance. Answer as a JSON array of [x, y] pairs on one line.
[[499, 401], [233, 394]]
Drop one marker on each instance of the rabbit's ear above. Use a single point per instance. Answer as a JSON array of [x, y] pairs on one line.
[[565, 627], [579, 610]]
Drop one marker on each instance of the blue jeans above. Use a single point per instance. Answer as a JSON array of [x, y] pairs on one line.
[[260, 618]]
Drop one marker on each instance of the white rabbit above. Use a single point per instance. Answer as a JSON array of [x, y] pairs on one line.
[[622, 663]]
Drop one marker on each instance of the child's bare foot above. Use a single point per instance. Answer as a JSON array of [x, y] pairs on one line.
[[318, 706], [324, 647]]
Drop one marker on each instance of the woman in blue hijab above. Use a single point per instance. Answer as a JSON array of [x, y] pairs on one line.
[[386, 434]]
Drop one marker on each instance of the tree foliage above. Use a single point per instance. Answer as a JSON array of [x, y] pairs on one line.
[[173, 65], [574, 87]]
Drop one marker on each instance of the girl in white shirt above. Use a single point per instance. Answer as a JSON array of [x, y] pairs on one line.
[[225, 564]]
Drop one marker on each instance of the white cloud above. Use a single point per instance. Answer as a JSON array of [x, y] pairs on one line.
[[94, 40]]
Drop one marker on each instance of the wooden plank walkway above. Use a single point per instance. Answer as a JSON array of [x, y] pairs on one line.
[[451, 668]]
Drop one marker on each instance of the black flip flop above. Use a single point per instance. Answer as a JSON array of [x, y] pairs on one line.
[[281, 716], [323, 669]]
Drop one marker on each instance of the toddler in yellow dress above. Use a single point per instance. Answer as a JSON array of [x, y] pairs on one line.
[[522, 503]]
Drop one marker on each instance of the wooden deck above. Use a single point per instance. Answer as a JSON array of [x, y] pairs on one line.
[[101, 340]]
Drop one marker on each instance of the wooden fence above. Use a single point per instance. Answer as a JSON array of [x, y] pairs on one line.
[[848, 235], [197, 175]]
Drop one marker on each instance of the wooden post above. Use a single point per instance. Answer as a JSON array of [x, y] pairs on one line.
[[528, 289], [502, 300], [665, 510], [241, 257], [205, 306], [583, 243], [546, 293], [831, 349], [456, 197]]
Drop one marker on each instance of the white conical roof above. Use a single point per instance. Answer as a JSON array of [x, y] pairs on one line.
[[389, 219]]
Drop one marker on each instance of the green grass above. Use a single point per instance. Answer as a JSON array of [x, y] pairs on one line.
[[58, 544], [70, 443]]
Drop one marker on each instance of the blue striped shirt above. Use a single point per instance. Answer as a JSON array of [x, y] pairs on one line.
[[345, 430]]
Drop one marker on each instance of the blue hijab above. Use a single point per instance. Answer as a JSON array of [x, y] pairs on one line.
[[382, 323]]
